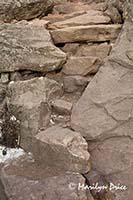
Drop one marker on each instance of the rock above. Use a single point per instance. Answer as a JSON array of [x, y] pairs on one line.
[[30, 48], [90, 18], [70, 48], [62, 148], [28, 101], [114, 14], [15, 76], [98, 50], [120, 151], [3, 89], [62, 107], [26, 180], [105, 108], [4, 78], [81, 66], [10, 10], [74, 83], [91, 33]]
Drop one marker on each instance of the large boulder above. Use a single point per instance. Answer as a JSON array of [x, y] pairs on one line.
[[104, 114], [26, 180], [29, 102], [62, 148], [24, 9], [28, 47]]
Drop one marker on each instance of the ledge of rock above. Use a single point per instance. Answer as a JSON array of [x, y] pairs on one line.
[[29, 102], [24, 9], [28, 47], [62, 148], [92, 33]]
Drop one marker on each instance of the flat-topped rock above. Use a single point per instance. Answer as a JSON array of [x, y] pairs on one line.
[[28, 47], [63, 149], [90, 18], [91, 33], [24, 9], [27, 180], [81, 65]]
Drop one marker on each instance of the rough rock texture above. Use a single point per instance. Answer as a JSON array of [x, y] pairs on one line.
[[61, 106], [24, 9], [28, 47], [92, 33], [24, 180], [81, 66], [90, 18], [105, 113], [28, 101], [62, 148]]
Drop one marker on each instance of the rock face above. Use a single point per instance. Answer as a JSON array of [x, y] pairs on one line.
[[92, 17], [29, 181], [62, 148], [24, 9], [28, 101], [93, 33], [104, 113], [81, 66], [28, 47]]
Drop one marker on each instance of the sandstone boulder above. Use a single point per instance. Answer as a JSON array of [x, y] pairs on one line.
[[81, 66], [29, 102], [92, 17], [24, 9], [28, 47], [62, 148], [91, 33]]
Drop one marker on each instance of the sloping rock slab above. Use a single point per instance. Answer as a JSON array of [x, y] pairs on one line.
[[26, 180], [62, 148], [90, 18], [91, 33], [29, 102], [24, 9], [105, 109], [28, 47]]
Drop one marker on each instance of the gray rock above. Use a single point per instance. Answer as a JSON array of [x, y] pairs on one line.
[[62, 148], [24, 9], [28, 47], [61, 106], [29, 102]]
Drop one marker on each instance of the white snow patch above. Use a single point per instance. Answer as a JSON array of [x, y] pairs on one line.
[[12, 153]]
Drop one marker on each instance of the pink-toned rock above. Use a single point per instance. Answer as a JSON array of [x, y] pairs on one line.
[[62, 106], [81, 66], [90, 18], [92, 33]]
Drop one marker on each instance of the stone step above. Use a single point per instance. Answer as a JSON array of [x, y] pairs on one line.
[[92, 33], [90, 18]]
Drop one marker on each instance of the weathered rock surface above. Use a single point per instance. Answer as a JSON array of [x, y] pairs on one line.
[[81, 66], [61, 106], [74, 83], [90, 18], [29, 102], [91, 33], [104, 114], [24, 9], [62, 148], [26, 180], [98, 50], [28, 47], [106, 106]]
